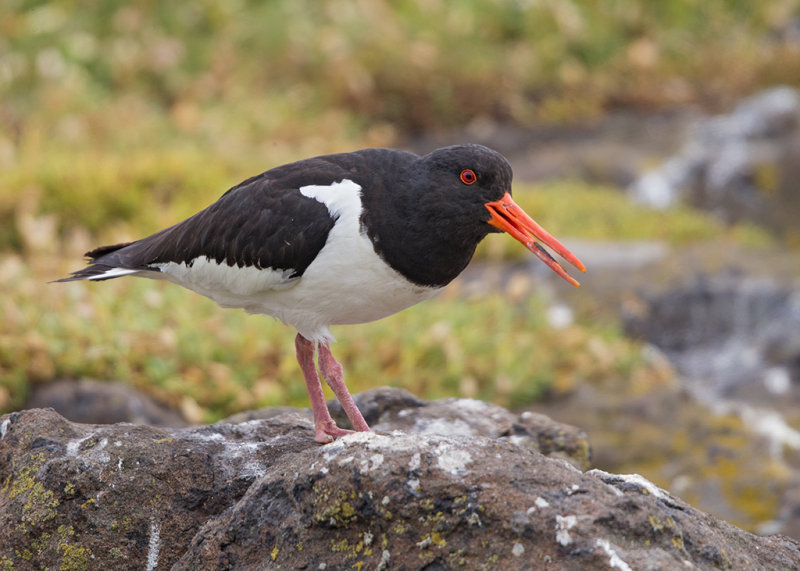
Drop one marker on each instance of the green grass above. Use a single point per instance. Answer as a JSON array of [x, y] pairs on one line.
[[178, 346], [411, 64]]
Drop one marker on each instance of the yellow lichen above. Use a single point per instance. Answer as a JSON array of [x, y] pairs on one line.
[[41, 502], [655, 522], [73, 557], [26, 554], [426, 504], [339, 546], [338, 511]]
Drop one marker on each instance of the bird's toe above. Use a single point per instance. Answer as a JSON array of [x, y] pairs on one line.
[[327, 432]]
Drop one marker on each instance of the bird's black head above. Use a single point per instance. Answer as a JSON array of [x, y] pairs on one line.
[[442, 205], [470, 186], [460, 180]]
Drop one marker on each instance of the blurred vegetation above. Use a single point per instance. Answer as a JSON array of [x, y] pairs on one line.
[[212, 362], [118, 118]]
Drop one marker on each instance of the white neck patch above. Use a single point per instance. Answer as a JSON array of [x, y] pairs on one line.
[[343, 198]]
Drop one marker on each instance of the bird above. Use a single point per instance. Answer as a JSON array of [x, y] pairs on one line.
[[337, 239]]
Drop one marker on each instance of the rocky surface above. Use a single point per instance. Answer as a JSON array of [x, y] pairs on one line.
[[96, 402], [455, 483], [730, 331], [742, 165]]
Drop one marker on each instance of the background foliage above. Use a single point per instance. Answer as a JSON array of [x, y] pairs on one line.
[[118, 118]]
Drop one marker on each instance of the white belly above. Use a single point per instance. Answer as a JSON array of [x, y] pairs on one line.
[[346, 283]]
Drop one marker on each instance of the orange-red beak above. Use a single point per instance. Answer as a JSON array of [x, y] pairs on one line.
[[509, 217]]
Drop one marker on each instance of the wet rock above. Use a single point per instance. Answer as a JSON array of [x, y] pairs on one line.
[[742, 166], [94, 402], [732, 335], [262, 494]]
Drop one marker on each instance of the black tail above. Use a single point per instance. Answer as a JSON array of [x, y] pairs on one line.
[[101, 261]]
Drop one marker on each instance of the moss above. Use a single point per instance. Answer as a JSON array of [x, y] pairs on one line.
[[352, 550], [40, 543], [125, 526], [339, 546], [73, 557], [26, 554], [457, 558], [87, 503], [40, 504], [426, 504], [336, 508], [655, 523]]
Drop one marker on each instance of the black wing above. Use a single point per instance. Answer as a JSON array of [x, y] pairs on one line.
[[264, 222]]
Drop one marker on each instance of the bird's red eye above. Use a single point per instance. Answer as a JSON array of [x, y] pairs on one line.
[[468, 176]]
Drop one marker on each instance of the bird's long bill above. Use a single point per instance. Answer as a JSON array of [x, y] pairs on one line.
[[509, 217]]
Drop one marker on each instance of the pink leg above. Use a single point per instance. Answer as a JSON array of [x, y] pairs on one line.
[[324, 426], [332, 373]]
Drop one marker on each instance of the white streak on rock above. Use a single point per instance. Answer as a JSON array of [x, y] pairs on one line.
[[563, 525], [614, 559], [154, 545]]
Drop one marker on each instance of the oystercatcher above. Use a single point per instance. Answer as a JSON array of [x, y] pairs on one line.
[[336, 239]]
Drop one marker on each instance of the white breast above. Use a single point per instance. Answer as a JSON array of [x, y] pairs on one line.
[[346, 283]]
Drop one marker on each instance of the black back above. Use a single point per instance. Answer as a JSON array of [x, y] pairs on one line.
[[422, 220]]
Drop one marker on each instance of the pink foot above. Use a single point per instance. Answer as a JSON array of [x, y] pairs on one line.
[[327, 432]]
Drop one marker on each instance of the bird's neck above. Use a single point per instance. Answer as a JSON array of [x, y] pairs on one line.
[[418, 240]]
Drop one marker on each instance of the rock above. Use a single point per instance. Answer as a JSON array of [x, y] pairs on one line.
[[104, 496], [741, 166], [388, 409], [95, 402], [261, 494], [737, 335]]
